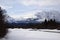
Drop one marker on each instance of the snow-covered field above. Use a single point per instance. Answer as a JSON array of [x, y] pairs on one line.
[[32, 34]]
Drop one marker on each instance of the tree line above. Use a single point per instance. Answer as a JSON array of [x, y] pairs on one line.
[[50, 24]]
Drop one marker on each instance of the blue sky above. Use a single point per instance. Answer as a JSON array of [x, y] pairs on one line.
[[27, 8]]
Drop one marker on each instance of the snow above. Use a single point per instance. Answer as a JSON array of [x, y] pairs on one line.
[[32, 34]]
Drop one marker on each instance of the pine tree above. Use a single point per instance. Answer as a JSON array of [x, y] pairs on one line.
[[3, 26]]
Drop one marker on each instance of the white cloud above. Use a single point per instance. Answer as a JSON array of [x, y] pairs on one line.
[[30, 14], [5, 7], [10, 4], [39, 3]]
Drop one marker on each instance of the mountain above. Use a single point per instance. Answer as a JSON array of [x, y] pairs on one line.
[[40, 17], [10, 19], [48, 15]]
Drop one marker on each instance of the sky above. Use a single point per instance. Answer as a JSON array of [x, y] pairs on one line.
[[27, 8]]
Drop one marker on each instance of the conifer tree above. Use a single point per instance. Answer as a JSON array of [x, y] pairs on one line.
[[3, 26]]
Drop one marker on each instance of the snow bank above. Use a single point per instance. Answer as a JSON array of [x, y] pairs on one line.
[[26, 34]]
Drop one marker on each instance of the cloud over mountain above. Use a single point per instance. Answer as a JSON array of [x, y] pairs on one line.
[[38, 16]]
